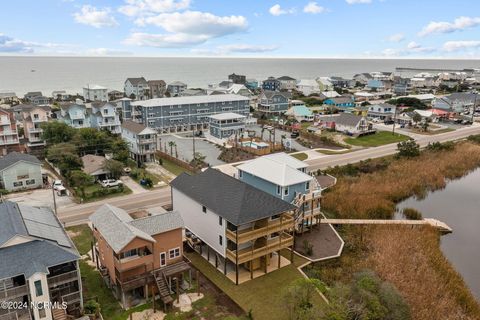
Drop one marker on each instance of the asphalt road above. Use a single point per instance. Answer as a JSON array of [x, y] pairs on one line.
[[77, 214], [377, 152]]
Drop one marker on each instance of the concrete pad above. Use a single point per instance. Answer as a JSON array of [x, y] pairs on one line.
[[148, 315], [132, 185], [186, 300]]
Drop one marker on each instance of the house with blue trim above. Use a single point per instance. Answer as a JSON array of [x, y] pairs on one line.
[[271, 84], [273, 102], [75, 115], [343, 102]]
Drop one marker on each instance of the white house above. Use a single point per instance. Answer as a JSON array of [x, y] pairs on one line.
[[287, 83], [308, 87], [95, 93], [347, 123], [324, 84], [20, 171], [137, 88], [141, 140], [104, 116]]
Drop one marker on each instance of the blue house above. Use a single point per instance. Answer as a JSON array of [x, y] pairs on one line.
[[75, 115], [273, 102], [271, 84], [279, 174], [342, 102], [251, 84]]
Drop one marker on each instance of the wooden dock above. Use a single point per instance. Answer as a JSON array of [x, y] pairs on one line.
[[441, 226]]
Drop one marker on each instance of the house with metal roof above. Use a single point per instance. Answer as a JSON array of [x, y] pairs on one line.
[[300, 112], [224, 125], [138, 256], [38, 264], [20, 171], [237, 227]]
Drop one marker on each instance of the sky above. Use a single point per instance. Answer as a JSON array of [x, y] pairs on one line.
[[243, 28]]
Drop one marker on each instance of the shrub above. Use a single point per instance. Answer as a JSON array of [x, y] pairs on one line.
[[438, 146], [412, 214], [408, 149], [307, 247], [474, 138], [92, 307], [3, 192]]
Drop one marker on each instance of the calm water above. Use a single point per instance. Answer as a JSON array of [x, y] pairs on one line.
[[72, 73], [458, 205]]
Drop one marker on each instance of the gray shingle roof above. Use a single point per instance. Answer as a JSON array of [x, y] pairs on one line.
[[14, 157], [285, 78], [137, 81], [269, 94], [11, 222], [159, 223], [119, 229], [32, 257], [232, 199], [132, 126], [346, 119]]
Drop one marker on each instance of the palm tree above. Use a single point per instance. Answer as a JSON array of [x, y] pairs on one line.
[[176, 152], [171, 144]]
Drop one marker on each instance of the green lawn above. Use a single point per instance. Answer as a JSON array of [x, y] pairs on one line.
[[173, 167], [138, 174], [378, 139], [300, 156], [96, 187], [332, 152], [263, 295], [83, 237]]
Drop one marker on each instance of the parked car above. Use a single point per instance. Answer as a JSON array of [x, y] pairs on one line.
[[294, 134], [108, 183], [57, 184]]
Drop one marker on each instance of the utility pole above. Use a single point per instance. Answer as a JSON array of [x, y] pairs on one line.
[[54, 200], [193, 142], [474, 104], [394, 118]]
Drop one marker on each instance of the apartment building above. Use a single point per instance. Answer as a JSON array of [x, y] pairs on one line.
[[177, 114], [238, 228], [38, 264], [136, 256], [141, 140], [8, 132]]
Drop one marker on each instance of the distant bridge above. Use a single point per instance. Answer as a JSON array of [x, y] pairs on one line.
[[441, 226]]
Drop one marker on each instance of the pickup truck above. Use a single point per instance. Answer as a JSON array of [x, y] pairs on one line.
[[108, 183]]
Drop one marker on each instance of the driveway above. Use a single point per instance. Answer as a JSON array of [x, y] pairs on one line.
[[278, 136], [40, 198], [185, 147], [132, 185]]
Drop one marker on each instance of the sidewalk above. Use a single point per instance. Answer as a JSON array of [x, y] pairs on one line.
[[132, 185]]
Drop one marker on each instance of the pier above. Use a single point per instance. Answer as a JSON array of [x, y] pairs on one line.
[[441, 226]]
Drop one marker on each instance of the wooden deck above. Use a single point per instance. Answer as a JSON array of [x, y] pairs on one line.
[[441, 226]]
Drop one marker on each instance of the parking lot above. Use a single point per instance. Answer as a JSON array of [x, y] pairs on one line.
[[39, 197]]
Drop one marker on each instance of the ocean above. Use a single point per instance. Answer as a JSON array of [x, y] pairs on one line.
[[47, 74]]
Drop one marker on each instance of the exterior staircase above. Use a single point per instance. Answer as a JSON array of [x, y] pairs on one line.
[[59, 314], [163, 288]]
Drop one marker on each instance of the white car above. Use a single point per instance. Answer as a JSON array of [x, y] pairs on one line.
[[108, 183], [57, 184]]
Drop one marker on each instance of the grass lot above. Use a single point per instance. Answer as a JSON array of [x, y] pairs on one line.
[[82, 237], [300, 156], [138, 174], [378, 139], [96, 187], [263, 295], [173, 167], [333, 152], [431, 133]]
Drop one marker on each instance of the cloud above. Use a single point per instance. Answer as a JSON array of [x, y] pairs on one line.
[[246, 48], [198, 23], [411, 48], [277, 10], [235, 48], [133, 8], [451, 46], [107, 52], [459, 24], [358, 1], [313, 7], [178, 40], [397, 37], [98, 18], [12, 45]]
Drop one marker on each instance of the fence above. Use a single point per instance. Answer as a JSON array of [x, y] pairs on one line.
[[178, 162]]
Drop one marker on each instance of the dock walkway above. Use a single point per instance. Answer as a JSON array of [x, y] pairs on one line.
[[441, 226]]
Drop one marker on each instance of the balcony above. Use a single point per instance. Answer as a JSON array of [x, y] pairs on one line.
[[39, 119], [22, 314], [136, 281], [62, 278], [13, 292], [34, 130], [284, 223], [133, 262], [146, 141], [8, 132], [283, 241], [5, 121], [71, 297]]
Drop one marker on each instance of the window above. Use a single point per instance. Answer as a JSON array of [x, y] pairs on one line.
[[204, 209], [220, 240], [240, 173], [307, 185], [38, 288], [129, 253], [174, 253], [279, 190], [285, 191], [30, 182], [163, 259], [18, 184], [220, 221]]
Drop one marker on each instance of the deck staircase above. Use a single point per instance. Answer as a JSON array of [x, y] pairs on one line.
[[59, 314], [163, 289]]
